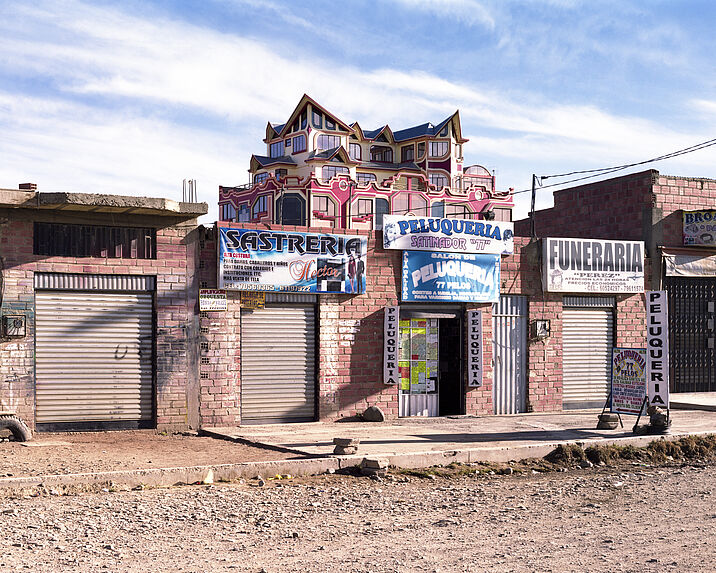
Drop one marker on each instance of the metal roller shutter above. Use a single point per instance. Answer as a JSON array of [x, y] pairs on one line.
[[93, 357], [587, 340], [278, 370]]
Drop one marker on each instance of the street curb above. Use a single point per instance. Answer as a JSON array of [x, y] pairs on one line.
[[167, 477]]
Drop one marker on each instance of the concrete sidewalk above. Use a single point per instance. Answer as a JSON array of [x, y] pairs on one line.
[[409, 443], [420, 442]]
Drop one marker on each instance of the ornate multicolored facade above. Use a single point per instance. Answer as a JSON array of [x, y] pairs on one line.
[[323, 172]]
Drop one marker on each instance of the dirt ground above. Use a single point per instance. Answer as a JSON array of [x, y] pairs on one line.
[[631, 517], [66, 453]]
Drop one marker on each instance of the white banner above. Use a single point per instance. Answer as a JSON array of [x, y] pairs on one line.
[[657, 345], [390, 345], [447, 235], [592, 266], [474, 348]]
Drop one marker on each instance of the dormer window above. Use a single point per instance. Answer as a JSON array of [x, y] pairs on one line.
[[381, 154], [443, 131], [276, 149], [324, 141], [330, 124], [439, 148]]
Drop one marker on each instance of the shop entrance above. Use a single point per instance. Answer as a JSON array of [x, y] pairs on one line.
[[430, 363]]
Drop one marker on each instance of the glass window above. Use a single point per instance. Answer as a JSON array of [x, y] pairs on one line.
[[439, 180], [260, 178], [330, 124], [281, 173], [304, 119], [437, 209], [287, 143], [324, 141], [439, 148], [324, 205], [299, 143], [354, 151], [457, 211], [294, 127], [443, 131], [276, 149], [365, 178], [291, 209], [381, 154], [330, 171], [317, 119], [421, 149], [362, 207], [407, 202], [407, 153], [381, 208], [260, 207]]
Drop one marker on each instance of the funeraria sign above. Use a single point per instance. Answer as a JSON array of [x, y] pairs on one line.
[[657, 346], [474, 348], [592, 266], [447, 235], [390, 345]]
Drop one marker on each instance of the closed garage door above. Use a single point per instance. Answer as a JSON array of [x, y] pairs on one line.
[[587, 341], [278, 364], [93, 359]]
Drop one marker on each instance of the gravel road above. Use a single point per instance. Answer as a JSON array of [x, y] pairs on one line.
[[634, 518]]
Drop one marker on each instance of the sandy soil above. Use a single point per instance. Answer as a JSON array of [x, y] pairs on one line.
[[631, 518], [64, 453]]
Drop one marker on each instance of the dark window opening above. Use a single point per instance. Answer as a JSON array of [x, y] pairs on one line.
[[61, 240]]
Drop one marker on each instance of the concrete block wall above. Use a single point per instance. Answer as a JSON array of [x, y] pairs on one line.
[[173, 269]]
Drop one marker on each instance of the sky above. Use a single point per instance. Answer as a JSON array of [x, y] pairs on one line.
[[133, 97]]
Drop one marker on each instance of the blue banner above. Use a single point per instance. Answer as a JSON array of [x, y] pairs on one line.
[[450, 277], [280, 261]]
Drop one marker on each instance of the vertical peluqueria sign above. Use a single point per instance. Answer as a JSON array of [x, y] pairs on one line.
[[657, 345], [474, 348], [390, 345]]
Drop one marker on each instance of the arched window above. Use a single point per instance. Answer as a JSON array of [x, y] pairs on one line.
[[328, 172]]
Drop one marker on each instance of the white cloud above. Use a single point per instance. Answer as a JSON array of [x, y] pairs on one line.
[[467, 12]]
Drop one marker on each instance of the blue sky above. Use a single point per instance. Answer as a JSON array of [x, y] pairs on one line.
[[133, 97]]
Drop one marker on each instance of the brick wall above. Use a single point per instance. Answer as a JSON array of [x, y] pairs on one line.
[[173, 269], [671, 195]]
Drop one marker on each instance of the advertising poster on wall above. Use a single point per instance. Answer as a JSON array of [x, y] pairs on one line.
[[700, 227], [593, 266], [628, 380], [447, 235], [279, 261], [212, 300], [390, 345], [450, 277]]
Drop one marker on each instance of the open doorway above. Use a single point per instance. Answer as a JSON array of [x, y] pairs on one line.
[[430, 363]]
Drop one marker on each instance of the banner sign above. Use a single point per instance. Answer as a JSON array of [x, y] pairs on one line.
[[657, 343], [253, 299], [474, 348], [450, 277], [390, 345], [267, 260], [628, 380], [447, 235], [592, 266], [212, 300], [700, 227]]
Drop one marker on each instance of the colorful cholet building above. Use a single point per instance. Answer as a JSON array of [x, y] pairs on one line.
[[320, 171]]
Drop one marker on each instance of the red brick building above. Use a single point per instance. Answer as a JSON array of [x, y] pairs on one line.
[[98, 310]]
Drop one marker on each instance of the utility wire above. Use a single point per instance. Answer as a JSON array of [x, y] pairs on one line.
[[608, 170]]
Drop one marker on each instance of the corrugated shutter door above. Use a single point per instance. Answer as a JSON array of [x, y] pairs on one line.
[[586, 356], [93, 357], [278, 372]]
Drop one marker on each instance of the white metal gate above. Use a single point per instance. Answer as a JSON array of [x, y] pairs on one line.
[[93, 357], [509, 348], [587, 341], [278, 364]]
